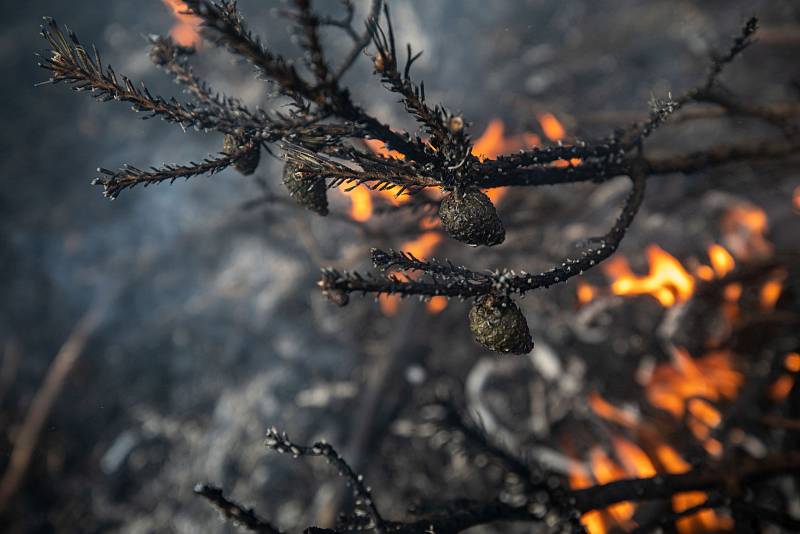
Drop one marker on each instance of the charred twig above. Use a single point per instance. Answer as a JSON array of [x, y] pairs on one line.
[[280, 442], [114, 182], [233, 511]]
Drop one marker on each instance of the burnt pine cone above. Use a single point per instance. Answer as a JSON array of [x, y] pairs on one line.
[[308, 192], [248, 163], [469, 216], [498, 324]]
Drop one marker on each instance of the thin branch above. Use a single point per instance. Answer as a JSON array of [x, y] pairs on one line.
[[128, 177], [233, 511], [280, 442]]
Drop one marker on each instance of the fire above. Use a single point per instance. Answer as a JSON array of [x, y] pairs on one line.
[[796, 198], [691, 386], [493, 142], [687, 389], [421, 247], [605, 470], [743, 228], [360, 202], [702, 521], [721, 260], [781, 388], [379, 147], [634, 459], [771, 291], [585, 292], [436, 305], [609, 412], [184, 31], [667, 280], [551, 127]]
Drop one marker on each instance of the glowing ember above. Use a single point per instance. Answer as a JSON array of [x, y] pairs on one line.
[[796, 198], [792, 362], [781, 388], [744, 228], [436, 305], [667, 281], [585, 293], [721, 260], [771, 291], [184, 32]]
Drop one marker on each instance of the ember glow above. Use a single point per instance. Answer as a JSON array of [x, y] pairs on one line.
[[744, 229], [185, 30], [783, 385]]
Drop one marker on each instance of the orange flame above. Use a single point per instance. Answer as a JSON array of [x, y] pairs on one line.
[[551, 127], [689, 385], [667, 281], [743, 228], [379, 147], [360, 202], [796, 198], [721, 260], [771, 291], [493, 142], [781, 388], [184, 31], [421, 247], [585, 293], [605, 470], [609, 412], [436, 305], [634, 459], [702, 521]]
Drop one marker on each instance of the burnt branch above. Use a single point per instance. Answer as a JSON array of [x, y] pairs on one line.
[[114, 182], [321, 134], [233, 511], [280, 442], [728, 479]]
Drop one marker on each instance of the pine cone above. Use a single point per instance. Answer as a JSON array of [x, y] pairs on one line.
[[309, 193], [469, 216], [498, 324], [248, 163]]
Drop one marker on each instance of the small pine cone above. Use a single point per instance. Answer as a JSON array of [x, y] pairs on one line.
[[248, 163], [498, 325], [309, 193], [469, 216]]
